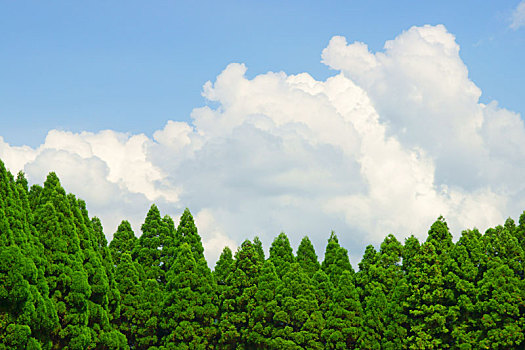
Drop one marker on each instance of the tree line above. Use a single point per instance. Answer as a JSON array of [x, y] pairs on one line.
[[63, 287]]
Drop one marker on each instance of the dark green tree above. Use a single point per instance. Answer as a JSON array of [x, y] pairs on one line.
[[238, 300]]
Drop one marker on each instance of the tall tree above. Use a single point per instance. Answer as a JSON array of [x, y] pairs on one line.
[[501, 299], [427, 301], [124, 241], [187, 233], [281, 254], [336, 260], [257, 245], [148, 250], [129, 284], [297, 302], [344, 316], [68, 282], [262, 319], [189, 311], [307, 258], [224, 267], [238, 299]]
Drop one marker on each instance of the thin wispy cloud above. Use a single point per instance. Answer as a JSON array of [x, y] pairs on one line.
[[518, 16]]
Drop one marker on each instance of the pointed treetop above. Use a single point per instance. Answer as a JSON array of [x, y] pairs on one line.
[[152, 222], [22, 181], [391, 250], [307, 258], [187, 232], [281, 254], [369, 258], [224, 266], [440, 236], [123, 241], [257, 244], [52, 183], [335, 259]]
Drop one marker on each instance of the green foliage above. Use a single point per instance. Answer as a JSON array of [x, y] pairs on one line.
[[124, 241], [307, 258], [188, 309], [281, 254], [63, 287], [336, 260], [238, 302]]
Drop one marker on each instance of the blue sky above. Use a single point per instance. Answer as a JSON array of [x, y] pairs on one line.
[[131, 65], [380, 116]]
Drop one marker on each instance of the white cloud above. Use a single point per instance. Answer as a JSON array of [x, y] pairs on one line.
[[390, 142], [518, 16]]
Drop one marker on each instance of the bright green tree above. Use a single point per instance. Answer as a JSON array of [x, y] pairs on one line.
[[307, 258], [188, 307], [336, 260], [344, 318], [501, 297], [124, 241], [281, 254], [67, 280], [297, 303]]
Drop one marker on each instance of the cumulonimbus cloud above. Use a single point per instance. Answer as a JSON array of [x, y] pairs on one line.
[[387, 144]]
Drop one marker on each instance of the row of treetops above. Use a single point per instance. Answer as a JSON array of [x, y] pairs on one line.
[[63, 287]]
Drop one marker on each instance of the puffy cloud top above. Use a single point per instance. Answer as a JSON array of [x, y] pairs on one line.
[[390, 142]]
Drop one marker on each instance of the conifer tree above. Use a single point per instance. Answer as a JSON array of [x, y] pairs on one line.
[[307, 258], [394, 286], [238, 299], [467, 259], [187, 233], [296, 303], [427, 301], [188, 308], [124, 241], [262, 319], [68, 282], [323, 289], [344, 317], [109, 266], [281, 254], [257, 245], [224, 266], [130, 287], [148, 249], [28, 313], [336, 260], [501, 300], [99, 313]]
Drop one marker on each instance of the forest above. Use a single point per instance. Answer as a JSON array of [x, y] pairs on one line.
[[62, 286]]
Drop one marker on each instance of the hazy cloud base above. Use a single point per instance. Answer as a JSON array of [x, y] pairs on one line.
[[390, 142]]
